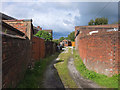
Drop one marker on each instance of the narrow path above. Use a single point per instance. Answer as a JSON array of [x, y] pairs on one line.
[[80, 81], [51, 77]]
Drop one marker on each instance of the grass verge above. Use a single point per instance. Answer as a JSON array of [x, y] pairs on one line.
[[33, 78], [63, 70], [102, 80]]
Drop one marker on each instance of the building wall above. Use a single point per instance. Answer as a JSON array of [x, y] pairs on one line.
[[67, 43], [99, 51], [16, 56]]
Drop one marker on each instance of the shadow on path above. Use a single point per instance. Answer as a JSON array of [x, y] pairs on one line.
[[51, 77]]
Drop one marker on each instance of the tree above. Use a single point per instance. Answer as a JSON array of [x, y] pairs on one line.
[[66, 38], [101, 21], [56, 41], [71, 36], [91, 22], [44, 34], [62, 38], [98, 21]]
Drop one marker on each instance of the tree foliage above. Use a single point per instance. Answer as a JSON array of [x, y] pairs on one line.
[[56, 41], [71, 36], [91, 22], [62, 38], [98, 21], [44, 34]]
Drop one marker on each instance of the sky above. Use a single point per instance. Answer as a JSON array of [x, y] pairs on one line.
[[61, 17]]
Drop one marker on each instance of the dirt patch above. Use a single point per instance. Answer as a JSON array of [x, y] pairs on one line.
[[51, 77], [80, 81]]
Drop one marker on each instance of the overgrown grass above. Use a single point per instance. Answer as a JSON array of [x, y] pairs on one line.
[[33, 78], [63, 70], [102, 80]]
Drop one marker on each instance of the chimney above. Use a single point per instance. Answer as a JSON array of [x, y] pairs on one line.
[[40, 28]]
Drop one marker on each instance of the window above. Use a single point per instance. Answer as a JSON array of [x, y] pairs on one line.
[[66, 42]]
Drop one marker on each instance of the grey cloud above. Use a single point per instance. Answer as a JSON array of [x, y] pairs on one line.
[[53, 14], [67, 22]]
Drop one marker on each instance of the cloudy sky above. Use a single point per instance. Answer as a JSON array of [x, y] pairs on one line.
[[61, 17]]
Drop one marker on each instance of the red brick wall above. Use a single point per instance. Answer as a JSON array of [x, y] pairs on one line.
[[16, 55], [38, 48], [42, 48], [99, 51]]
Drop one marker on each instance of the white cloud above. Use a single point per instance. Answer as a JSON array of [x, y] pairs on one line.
[[48, 17], [54, 19], [62, 16], [60, 0]]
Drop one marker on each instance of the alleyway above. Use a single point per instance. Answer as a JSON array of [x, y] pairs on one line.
[[79, 80], [52, 79]]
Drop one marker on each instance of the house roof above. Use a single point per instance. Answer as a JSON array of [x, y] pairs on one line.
[[23, 20], [18, 20], [35, 28], [12, 28], [6, 17]]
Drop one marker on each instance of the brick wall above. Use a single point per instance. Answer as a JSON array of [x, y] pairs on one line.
[[42, 48], [16, 55], [50, 48], [99, 51], [38, 48], [19, 52]]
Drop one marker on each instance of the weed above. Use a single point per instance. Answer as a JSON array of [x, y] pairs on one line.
[[102, 80], [63, 70], [33, 78]]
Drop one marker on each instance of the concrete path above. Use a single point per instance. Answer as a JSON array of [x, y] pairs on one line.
[[51, 77], [80, 81]]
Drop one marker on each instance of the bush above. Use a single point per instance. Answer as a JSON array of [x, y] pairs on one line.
[[44, 34]]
